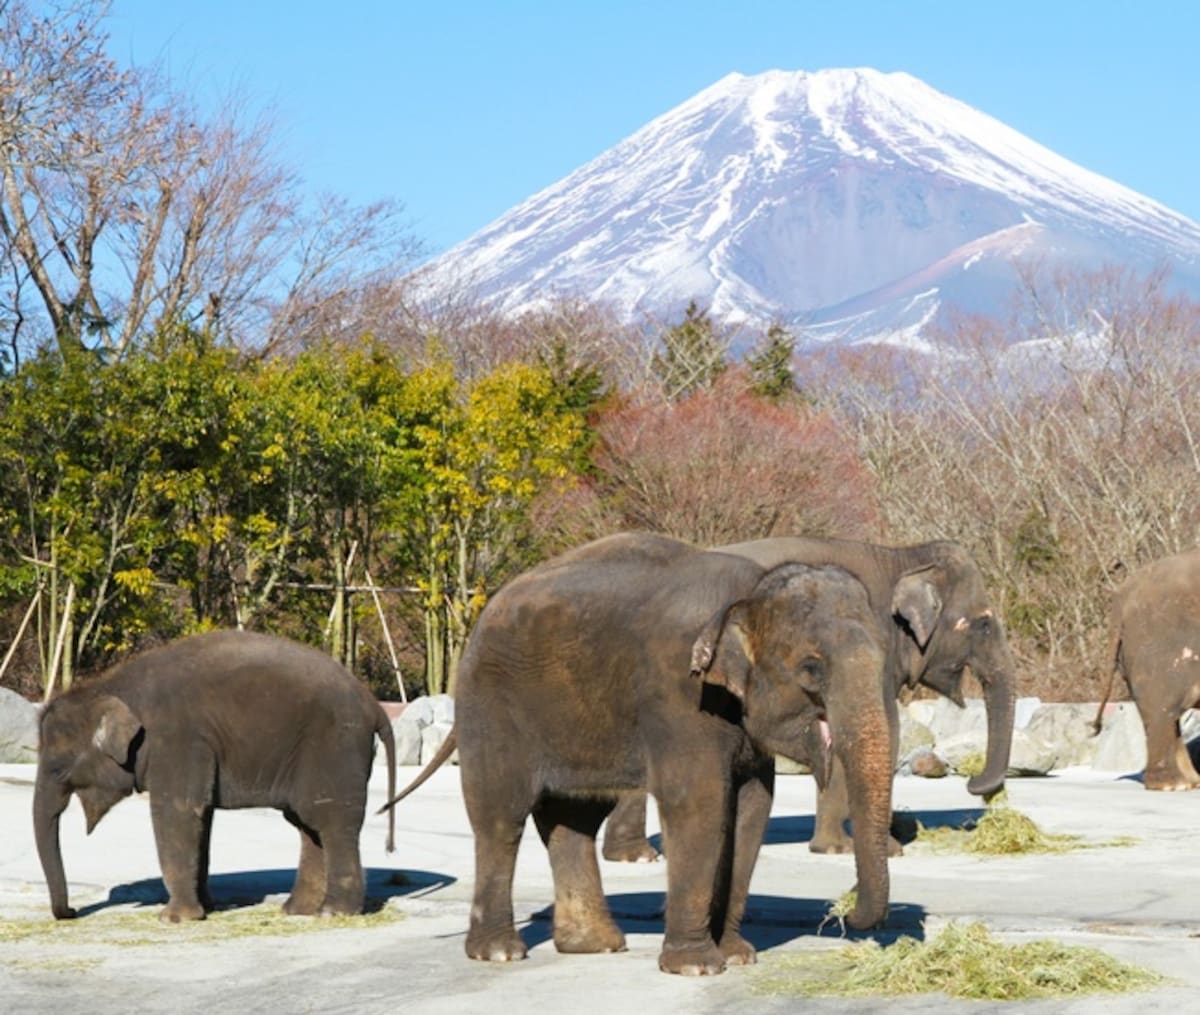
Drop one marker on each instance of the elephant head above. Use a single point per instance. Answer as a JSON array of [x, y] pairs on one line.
[[87, 747], [953, 626], [804, 647]]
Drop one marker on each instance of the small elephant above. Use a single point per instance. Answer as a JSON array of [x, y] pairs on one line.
[[223, 719], [1155, 645], [640, 661], [931, 600]]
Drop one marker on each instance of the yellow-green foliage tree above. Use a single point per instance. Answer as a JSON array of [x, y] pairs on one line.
[[484, 451]]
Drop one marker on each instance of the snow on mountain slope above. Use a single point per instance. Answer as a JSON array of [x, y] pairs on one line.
[[832, 200]]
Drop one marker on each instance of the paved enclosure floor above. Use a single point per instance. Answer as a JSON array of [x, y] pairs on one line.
[[1139, 902]]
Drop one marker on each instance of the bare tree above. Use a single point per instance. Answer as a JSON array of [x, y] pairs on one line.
[[123, 207]]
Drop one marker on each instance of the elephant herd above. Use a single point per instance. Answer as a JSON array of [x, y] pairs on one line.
[[636, 664]]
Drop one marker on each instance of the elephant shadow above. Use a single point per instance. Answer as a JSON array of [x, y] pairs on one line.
[[770, 920], [904, 828], [249, 888]]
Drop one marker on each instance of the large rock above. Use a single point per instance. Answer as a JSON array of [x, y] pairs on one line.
[[18, 728], [408, 741], [1121, 744], [421, 727], [1068, 728], [1031, 755]]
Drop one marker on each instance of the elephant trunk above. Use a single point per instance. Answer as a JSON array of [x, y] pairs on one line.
[[999, 691], [863, 741], [49, 801]]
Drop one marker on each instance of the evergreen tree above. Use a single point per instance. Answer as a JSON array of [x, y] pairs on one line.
[[770, 364], [693, 354]]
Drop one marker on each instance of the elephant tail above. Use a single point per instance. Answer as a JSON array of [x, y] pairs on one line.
[[436, 762], [1114, 659], [383, 729]]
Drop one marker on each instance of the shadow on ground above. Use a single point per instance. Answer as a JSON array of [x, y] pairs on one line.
[[771, 920], [800, 828], [249, 888]]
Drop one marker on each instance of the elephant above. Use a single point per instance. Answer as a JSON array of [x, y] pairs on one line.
[[931, 600], [223, 719], [1155, 645], [642, 661]]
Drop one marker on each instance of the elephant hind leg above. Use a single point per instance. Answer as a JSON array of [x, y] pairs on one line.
[[625, 834], [308, 891], [1168, 766], [582, 921]]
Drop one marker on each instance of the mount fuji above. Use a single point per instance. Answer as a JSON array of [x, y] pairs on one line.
[[851, 205]]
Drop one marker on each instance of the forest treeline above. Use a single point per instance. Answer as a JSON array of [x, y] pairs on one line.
[[224, 402]]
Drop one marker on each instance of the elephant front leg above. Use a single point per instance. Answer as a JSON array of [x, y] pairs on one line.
[[696, 834], [582, 921], [753, 814], [833, 810], [625, 834], [180, 829]]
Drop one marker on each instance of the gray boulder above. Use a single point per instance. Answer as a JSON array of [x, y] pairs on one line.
[[432, 738], [18, 728], [1121, 744], [1031, 755], [1068, 727], [408, 740]]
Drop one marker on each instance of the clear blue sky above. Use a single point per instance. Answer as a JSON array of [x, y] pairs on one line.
[[462, 108]]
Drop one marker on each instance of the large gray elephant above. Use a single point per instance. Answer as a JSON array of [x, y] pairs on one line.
[[1155, 646], [932, 601], [224, 719], [641, 661]]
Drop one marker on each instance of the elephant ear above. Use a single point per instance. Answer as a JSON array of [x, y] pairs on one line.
[[722, 652], [116, 729], [916, 599]]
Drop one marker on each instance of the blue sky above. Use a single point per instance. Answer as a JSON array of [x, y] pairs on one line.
[[462, 108]]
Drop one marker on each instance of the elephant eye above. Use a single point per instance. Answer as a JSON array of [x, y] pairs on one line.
[[982, 624]]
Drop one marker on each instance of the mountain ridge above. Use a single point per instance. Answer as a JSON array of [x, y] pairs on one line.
[[825, 200]]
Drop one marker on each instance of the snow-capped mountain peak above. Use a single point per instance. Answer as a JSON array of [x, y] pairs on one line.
[[829, 199]]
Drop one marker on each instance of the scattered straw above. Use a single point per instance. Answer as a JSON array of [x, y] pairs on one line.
[[1003, 831], [839, 910], [971, 765], [133, 929], [961, 961]]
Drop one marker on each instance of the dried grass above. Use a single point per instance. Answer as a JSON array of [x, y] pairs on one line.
[[961, 961], [134, 929]]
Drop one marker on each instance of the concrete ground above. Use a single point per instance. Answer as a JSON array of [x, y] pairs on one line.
[[1138, 902]]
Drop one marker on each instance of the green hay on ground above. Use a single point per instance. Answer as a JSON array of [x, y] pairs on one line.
[[1003, 831], [132, 929], [971, 765], [961, 961]]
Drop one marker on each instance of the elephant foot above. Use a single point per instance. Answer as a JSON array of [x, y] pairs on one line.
[[577, 940], [503, 947], [1176, 785], [629, 851], [300, 906], [831, 844], [174, 912], [738, 951], [692, 960]]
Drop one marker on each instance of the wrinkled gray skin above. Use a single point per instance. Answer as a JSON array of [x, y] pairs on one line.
[[225, 719], [641, 661], [1155, 646], [939, 621]]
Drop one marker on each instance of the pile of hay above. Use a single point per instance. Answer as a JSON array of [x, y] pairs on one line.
[[961, 961], [132, 929], [1004, 831]]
